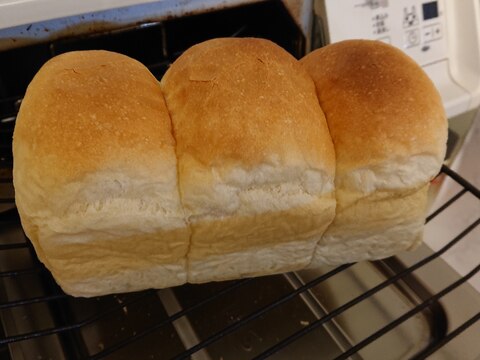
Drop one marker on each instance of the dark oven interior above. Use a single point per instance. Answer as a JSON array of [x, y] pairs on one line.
[[302, 315]]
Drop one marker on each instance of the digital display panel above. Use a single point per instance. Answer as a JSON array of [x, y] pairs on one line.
[[430, 10]]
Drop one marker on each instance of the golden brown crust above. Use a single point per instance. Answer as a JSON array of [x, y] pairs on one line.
[[389, 130], [215, 89], [379, 103], [273, 228], [96, 134], [95, 176], [255, 158]]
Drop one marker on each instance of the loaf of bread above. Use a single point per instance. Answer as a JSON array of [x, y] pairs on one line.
[[255, 158], [95, 176], [226, 168], [389, 130]]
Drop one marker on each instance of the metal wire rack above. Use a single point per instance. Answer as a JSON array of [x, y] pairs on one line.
[[56, 299]]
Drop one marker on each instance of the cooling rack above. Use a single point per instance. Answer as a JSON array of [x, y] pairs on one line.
[[61, 305]]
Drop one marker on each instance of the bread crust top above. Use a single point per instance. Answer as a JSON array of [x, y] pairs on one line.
[[243, 102], [380, 105], [92, 110]]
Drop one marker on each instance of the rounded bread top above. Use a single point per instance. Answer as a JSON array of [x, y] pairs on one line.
[[246, 101], [380, 105], [92, 110]]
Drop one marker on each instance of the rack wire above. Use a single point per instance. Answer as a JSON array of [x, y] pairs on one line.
[[9, 217]]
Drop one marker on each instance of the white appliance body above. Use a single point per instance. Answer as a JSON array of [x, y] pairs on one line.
[[443, 36]]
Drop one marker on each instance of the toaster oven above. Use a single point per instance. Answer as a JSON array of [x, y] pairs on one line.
[[410, 306]]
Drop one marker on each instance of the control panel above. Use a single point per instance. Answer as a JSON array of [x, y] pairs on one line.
[[415, 26]]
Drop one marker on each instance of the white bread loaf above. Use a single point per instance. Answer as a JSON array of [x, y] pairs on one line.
[[389, 130], [95, 176], [114, 198], [256, 161]]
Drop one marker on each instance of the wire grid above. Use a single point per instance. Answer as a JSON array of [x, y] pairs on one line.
[[10, 216]]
